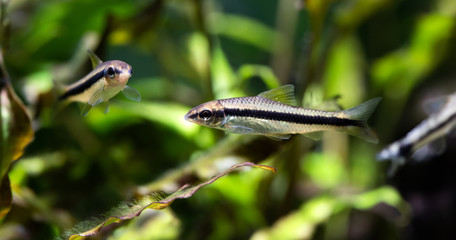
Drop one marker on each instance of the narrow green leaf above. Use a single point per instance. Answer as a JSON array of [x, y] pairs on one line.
[[245, 30], [224, 80], [344, 74], [266, 74]]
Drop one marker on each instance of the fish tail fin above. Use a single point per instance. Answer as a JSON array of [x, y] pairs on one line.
[[361, 113], [58, 90]]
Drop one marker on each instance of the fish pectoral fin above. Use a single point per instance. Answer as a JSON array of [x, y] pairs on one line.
[[430, 150], [438, 145], [94, 58], [131, 93], [278, 137], [283, 94], [316, 136], [96, 98], [239, 129]]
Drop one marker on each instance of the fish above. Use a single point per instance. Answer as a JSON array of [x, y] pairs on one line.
[[105, 81], [425, 138], [274, 114]]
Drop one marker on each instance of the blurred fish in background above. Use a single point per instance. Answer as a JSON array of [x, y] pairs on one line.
[[426, 139]]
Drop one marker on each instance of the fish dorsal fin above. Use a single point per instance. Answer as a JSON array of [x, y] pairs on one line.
[[94, 58], [85, 110], [283, 94], [434, 105], [430, 150]]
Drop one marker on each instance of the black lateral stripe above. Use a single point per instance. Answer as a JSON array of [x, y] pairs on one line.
[[405, 150], [293, 118], [436, 128], [83, 86]]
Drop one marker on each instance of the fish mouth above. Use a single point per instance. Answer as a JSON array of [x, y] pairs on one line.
[[187, 117], [191, 116]]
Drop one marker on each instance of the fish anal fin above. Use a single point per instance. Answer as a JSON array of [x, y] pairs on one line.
[[104, 107], [131, 93], [94, 58], [283, 94], [363, 132], [278, 137], [85, 110], [316, 136]]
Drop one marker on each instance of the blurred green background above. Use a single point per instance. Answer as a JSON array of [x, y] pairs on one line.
[[186, 52]]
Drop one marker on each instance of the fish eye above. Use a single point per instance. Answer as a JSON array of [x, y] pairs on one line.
[[111, 72], [205, 114]]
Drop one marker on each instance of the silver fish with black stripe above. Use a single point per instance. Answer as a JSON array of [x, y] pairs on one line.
[[273, 114], [105, 81], [431, 130]]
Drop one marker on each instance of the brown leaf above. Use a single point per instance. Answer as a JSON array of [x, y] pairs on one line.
[[16, 129], [15, 133], [151, 202]]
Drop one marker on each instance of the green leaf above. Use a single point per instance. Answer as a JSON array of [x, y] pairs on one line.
[[202, 164], [224, 81], [352, 13], [344, 75], [167, 114], [156, 202], [302, 223], [325, 170], [384, 194], [401, 70], [266, 74], [245, 30]]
